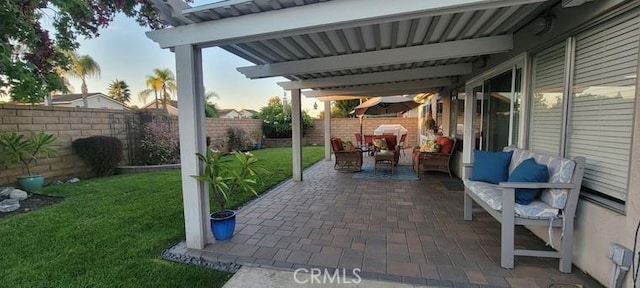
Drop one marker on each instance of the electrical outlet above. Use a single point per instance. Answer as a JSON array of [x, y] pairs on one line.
[[620, 255]]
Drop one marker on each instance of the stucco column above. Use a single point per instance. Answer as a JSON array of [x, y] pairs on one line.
[[327, 130], [191, 123], [296, 135]]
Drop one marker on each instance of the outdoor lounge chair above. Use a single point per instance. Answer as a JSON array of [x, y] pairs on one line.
[[346, 160], [438, 161], [391, 145]]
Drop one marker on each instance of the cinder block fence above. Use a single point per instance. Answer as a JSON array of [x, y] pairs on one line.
[[68, 124]]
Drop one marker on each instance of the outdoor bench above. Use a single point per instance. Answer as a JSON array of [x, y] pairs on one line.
[[554, 207]]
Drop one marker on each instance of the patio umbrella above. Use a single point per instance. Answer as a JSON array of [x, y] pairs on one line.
[[384, 105]]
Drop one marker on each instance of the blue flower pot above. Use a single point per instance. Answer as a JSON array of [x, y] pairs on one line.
[[223, 223], [31, 183]]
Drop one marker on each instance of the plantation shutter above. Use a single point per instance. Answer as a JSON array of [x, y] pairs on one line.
[[603, 102], [546, 103]]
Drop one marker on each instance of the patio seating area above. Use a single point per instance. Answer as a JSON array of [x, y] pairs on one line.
[[402, 231]]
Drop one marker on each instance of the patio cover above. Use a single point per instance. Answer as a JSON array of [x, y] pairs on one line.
[[327, 48]]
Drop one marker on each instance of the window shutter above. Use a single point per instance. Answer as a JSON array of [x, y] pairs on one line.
[[602, 103], [546, 105]]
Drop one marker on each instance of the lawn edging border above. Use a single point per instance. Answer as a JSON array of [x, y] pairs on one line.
[[146, 168]]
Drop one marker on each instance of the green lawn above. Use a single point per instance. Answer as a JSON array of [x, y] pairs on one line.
[[109, 232]]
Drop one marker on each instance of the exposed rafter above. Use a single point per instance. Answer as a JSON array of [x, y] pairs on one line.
[[446, 50], [170, 12], [382, 89], [380, 77], [326, 16]]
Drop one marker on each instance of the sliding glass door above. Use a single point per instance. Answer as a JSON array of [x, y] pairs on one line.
[[497, 110]]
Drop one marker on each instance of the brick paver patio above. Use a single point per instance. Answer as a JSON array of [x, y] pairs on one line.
[[405, 231]]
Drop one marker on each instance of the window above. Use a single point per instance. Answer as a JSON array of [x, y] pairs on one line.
[[600, 104], [546, 107]]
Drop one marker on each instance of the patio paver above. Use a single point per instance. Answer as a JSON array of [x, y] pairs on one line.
[[404, 231]]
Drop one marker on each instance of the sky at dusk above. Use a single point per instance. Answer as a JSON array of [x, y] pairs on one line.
[[124, 52]]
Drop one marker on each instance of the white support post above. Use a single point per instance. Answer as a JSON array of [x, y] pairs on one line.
[[327, 130], [469, 132], [191, 123], [296, 135]]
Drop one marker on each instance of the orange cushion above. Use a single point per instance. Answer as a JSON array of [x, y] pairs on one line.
[[446, 144], [336, 144]]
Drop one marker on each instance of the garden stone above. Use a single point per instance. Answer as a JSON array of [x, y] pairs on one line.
[[5, 191], [73, 180], [9, 205], [18, 194], [57, 182]]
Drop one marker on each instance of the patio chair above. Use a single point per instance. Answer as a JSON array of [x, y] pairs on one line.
[[391, 145], [403, 138], [359, 139], [346, 160], [438, 161]]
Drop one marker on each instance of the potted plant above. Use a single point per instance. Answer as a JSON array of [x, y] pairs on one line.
[[257, 138], [18, 148], [225, 179]]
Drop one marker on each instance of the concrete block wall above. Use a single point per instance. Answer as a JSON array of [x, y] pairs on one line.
[[67, 124], [346, 128], [217, 127]]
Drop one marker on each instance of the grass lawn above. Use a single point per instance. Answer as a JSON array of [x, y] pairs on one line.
[[109, 232]]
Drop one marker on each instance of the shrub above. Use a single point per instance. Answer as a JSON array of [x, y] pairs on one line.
[[238, 140], [102, 153], [159, 145]]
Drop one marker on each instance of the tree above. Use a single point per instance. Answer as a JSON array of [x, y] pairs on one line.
[[210, 109], [30, 54], [162, 83], [342, 108], [83, 66], [276, 119], [119, 91]]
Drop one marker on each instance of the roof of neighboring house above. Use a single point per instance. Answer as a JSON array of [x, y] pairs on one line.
[[226, 111], [72, 97], [68, 98], [152, 104], [250, 111]]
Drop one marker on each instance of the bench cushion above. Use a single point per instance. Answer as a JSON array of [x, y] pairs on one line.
[[529, 171], [492, 167], [492, 195], [560, 171]]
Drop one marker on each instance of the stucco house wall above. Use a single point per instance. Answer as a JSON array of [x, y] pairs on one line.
[[596, 226], [94, 101]]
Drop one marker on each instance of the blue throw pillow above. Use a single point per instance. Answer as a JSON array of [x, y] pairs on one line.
[[491, 167], [528, 171]]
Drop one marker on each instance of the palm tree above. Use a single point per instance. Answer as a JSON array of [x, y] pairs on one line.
[[162, 83], [119, 90], [210, 109], [82, 67]]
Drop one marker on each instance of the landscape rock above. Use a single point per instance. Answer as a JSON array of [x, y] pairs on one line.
[[73, 180], [18, 194], [9, 205], [5, 191], [57, 182]]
